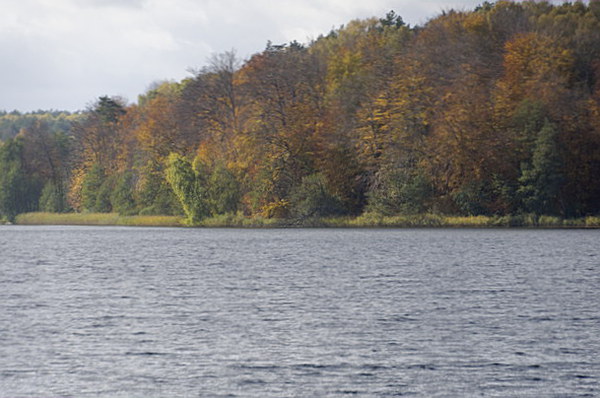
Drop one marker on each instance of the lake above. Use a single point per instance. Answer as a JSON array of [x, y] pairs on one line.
[[150, 312]]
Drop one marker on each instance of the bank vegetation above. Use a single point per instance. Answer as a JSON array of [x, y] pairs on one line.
[[489, 116]]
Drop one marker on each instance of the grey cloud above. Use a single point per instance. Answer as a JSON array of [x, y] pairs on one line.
[[65, 53], [114, 3]]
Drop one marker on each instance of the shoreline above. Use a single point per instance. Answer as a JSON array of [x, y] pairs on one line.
[[363, 221]]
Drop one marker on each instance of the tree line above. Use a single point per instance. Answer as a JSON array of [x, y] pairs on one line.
[[493, 111]]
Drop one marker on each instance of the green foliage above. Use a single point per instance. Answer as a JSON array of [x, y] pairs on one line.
[[201, 192], [53, 198], [528, 119], [121, 197], [312, 198], [392, 19], [238, 220], [104, 194], [542, 179], [188, 185], [109, 109], [19, 192], [11, 190], [156, 196], [550, 221], [103, 202], [397, 191], [592, 222], [90, 191], [401, 221], [471, 198], [223, 191], [11, 124]]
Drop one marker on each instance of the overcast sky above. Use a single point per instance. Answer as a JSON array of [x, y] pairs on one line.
[[63, 54]]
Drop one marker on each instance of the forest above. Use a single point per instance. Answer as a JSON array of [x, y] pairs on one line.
[[494, 111]]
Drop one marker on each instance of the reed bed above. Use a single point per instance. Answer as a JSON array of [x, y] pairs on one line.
[[40, 218], [367, 220]]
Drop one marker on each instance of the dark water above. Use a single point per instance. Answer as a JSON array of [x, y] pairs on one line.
[[124, 312]]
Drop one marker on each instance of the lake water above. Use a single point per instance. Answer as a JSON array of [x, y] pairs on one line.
[[148, 312]]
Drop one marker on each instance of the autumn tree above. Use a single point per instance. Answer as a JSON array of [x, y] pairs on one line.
[[490, 111], [156, 124], [98, 143], [285, 82], [19, 192], [46, 156], [215, 107]]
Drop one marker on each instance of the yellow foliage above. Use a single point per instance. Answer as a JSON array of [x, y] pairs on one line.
[[532, 61], [277, 209], [476, 23], [74, 194]]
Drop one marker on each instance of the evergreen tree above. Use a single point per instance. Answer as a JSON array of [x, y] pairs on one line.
[[103, 202], [542, 179], [93, 181], [122, 196], [53, 199], [155, 195]]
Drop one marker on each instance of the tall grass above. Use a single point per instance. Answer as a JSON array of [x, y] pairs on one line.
[[367, 220], [592, 222], [232, 220], [435, 220], [97, 219]]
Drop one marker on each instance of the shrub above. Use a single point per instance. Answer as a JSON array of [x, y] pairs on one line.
[[471, 198], [312, 198], [398, 192]]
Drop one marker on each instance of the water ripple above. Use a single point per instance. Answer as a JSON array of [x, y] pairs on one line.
[[145, 312]]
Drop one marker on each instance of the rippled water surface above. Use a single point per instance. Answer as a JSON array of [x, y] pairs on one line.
[[134, 312]]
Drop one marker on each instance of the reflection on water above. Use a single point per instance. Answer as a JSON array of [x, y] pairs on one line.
[[136, 312]]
